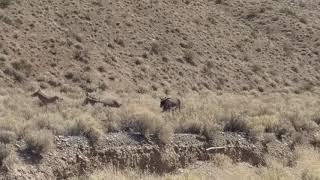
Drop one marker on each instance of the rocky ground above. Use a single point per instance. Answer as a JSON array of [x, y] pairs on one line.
[[74, 156]]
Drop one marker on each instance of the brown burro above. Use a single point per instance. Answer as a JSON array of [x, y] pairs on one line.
[[107, 102], [169, 104], [45, 100]]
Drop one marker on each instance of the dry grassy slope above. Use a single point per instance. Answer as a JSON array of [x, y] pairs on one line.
[[152, 45]]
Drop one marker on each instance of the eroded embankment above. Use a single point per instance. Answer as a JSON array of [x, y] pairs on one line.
[[73, 156]]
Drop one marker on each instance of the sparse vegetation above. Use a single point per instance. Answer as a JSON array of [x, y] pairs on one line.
[[5, 3], [189, 57], [7, 137], [4, 153], [39, 141], [247, 74], [87, 126]]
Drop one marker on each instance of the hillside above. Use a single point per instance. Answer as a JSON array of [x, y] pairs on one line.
[[145, 46], [246, 75]]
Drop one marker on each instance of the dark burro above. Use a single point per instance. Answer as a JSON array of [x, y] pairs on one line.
[[170, 104]]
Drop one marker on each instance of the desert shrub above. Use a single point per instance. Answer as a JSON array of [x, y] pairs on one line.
[[236, 123], [22, 66], [283, 129], [81, 55], [316, 118], [39, 141], [221, 160], [210, 131], [301, 121], [155, 47], [5, 3], [146, 122], [164, 133], [267, 122], [189, 57], [287, 48], [18, 76], [3, 58], [256, 68], [87, 126], [53, 122], [307, 162], [120, 42], [4, 152], [315, 141], [303, 20], [142, 90], [288, 11], [192, 127], [218, 1], [7, 137]]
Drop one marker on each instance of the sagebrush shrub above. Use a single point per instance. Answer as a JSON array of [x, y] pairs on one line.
[[39, 141], [4, 152], [87, 126], [7, 137], [5, 3]]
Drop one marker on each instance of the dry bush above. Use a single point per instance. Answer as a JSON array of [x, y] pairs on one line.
[[260, 124], [210, 131], [257, 68], [18, 76], [5, 3], [7, 137], [146, 122], [155, 47], [288, 11], [4, 152], [308, 163], [236, 123], [81, 55], [22, 66], [87, 126], [7, 157], [39, 141], [221, 160], [192, 127], [301, 121], [53, 122], [189, 57], [165, 133]]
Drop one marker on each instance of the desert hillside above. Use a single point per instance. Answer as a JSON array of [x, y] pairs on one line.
[[246, 75], [163, 46]]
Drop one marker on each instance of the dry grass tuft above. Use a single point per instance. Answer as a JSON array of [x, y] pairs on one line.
[[189, 57], [165, 133], [7, 137], [4, 153], [146, 122], [39, 142], [5, 3], [236, 124], [221, 160], [87, 126]]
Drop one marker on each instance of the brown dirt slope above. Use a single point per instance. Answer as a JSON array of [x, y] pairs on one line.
[[164, 46], [74, 156]]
